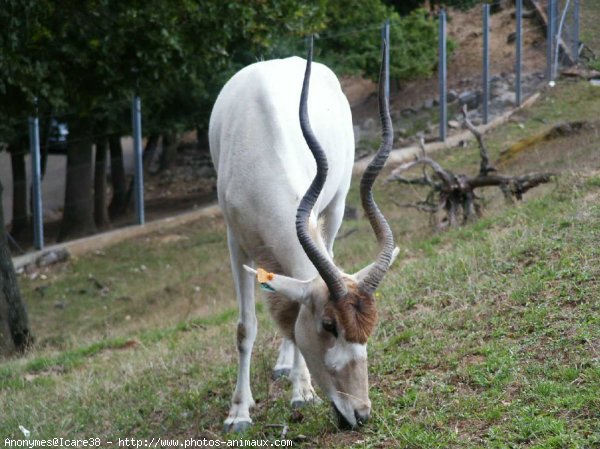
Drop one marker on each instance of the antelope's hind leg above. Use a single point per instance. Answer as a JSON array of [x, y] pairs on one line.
[[285, 360], [334, 215], [302, 389], [242, 400]]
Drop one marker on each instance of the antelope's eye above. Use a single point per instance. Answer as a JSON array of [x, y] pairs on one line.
[[329, 326]]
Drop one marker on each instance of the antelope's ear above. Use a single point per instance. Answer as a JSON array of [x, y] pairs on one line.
[[291, 288], [360, 275]]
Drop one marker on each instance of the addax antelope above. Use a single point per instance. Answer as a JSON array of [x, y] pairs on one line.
[[282, 185]]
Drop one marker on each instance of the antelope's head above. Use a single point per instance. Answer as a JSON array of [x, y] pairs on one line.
[[338, 312]]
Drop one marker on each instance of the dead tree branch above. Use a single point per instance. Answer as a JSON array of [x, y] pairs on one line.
[[484, 167], [454, 193]]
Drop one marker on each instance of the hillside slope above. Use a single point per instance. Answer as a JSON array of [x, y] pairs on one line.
[[489, 335]]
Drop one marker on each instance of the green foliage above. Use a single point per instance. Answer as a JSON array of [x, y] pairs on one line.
[[22, 71], [407, 6], [352, 41], [463, 4], [594, 64], [90, 57]]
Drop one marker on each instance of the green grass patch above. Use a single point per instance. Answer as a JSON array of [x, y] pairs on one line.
[[488, 336]]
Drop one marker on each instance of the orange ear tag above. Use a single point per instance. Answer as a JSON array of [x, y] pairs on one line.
[[263, 277]]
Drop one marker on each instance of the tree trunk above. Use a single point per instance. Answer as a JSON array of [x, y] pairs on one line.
[[20, 220], [150, 152], [44, 145], [169, 147], [100, 207], [78, 217], [118, 204], [15, 335]]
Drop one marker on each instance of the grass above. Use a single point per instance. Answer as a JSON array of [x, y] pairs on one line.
[[489, 335], [589, 35]]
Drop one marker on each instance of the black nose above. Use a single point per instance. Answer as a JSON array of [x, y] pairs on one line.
[[361, 417]]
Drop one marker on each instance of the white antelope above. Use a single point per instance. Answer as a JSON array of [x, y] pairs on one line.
[[265, 161]]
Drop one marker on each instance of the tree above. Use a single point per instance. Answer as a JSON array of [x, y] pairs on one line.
[[351, 40], [15, 335], [176, 55], [404, 7]]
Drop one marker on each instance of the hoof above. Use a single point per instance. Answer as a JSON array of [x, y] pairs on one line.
[[280, 372], [237, 427]]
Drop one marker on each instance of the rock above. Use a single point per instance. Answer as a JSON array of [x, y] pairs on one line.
[[498, 88], [433, 130], [429, 103], [454, 124], [52, 257], [595, 82], [470, 98], [507, 99]]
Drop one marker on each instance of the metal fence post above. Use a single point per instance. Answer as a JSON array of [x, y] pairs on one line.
[[550, 40], [575, 32], [136, 116], [36, 184], [559, 37], [519, 53], [554, 21], [385, 35], [443, 76], [486, 62]]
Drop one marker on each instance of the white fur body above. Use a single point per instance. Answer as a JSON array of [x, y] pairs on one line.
[[264, 168], [263, 163]]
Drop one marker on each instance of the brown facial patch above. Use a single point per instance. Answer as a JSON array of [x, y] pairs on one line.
[[356, 314]]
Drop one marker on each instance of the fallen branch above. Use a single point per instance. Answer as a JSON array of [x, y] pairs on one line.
[[454, 193]]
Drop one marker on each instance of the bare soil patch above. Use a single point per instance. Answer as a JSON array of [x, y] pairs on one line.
[[464, 64]]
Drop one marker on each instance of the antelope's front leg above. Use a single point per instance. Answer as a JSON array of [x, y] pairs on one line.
[[241, 402]]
